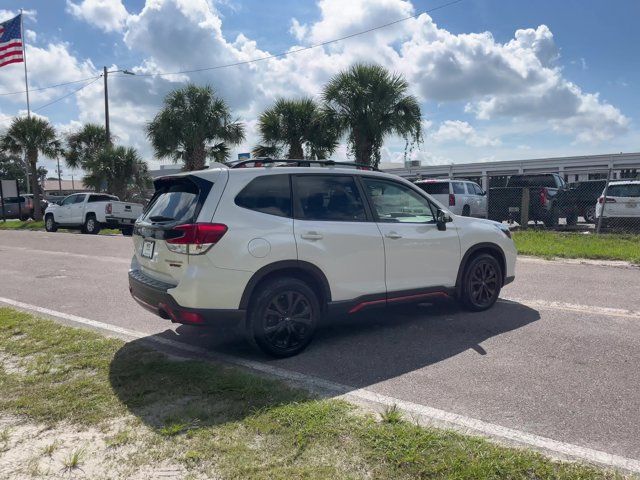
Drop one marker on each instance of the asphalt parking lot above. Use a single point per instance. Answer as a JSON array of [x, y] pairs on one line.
[[557, 356]]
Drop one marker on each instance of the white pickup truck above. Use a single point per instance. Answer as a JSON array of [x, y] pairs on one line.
[[90, 212]]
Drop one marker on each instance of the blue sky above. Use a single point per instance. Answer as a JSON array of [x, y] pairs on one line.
[[497, 80]]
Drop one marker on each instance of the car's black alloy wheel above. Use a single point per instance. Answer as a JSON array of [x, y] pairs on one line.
[[482, 283], [284, 317]]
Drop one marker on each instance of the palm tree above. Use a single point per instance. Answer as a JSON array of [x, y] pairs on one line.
[[368, 103], [297, 127], [31, 136], [83, 145], [119, 171], [194, 124]]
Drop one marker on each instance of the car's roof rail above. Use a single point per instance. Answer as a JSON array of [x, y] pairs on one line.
[[265, 161]]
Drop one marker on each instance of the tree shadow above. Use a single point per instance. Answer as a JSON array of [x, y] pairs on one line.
[[356, 351]]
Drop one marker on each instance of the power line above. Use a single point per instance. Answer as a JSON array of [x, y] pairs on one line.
[[68, 94], [284, 54], [49, 86], [267, 57]]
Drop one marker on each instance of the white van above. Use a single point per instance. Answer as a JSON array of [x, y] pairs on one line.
[[462, 197]]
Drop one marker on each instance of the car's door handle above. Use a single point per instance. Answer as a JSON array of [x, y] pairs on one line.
[[311, 236], [393, 235]]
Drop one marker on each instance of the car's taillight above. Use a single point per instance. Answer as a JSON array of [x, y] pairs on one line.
[[609, 200], [452, 200], [108, 209], [543, 196], [196, 238]]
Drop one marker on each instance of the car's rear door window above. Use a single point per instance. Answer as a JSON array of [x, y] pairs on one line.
[[435, 188], [328, 198], [269, 194], [458, 188]]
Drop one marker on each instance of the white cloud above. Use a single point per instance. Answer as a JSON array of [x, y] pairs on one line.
[[518, 83], [298, 30], [461, 132], [9, 14], [107, 15]]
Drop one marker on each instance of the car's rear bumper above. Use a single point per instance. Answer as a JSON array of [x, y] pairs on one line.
[[153, 295], [117, 222]]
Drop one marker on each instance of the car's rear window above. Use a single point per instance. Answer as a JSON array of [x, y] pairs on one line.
[[630, 190], [435, 188], [532, 181], [8, 200], [102, 198], [174, 201]]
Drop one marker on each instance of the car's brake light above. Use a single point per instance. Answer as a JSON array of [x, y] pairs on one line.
[[196, 238], [452, 200], [543, 196], [108, 209], [609, 200]]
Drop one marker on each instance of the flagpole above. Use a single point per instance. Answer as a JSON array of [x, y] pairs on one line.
[[24, 56], [26, 85]]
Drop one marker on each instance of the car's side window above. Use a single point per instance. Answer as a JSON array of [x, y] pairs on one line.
[[69, 200], [477, 190], [328, 198], [458, 188], [394, 202], [269, 194], [79, 198]]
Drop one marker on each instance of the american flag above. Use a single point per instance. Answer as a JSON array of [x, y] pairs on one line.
[[11, 42]]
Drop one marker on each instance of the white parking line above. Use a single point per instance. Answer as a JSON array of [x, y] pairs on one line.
[[370, 399], [575, 308]]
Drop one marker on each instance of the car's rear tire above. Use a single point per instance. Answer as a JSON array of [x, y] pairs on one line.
[[91, 225], [283, 316], [49, 224], [481, 283], [466, 211]]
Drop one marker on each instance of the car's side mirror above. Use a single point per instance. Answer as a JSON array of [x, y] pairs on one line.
[[442, 219]]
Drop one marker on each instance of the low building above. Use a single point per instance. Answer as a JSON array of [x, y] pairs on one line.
[[490, 174], [55, 188]]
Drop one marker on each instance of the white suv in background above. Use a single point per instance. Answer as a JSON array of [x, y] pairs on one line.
[[622, 203], [463, 197], [278, 247]]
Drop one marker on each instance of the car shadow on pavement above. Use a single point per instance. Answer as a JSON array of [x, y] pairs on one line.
[[356, 351]]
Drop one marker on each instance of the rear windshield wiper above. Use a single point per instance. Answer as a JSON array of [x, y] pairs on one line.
[[161, 218]]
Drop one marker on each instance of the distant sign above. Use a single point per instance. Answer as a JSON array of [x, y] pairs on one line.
[[244, 156], [9, 188]]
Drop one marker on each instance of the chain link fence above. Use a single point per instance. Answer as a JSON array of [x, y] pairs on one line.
[[596, 201]]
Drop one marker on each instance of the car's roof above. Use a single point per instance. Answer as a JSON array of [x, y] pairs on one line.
[[273, 170], [443, 180], [625, 182]]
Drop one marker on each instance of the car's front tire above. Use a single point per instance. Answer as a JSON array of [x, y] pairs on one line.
[[283, 316], [50, 224], [481, 283]]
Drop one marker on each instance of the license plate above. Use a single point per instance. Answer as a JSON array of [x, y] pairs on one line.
[[514, 209], [147, 248]]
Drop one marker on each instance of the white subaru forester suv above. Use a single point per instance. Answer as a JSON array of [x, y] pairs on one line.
[[278, 246]]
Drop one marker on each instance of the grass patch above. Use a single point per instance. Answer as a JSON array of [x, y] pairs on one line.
[[606, 246], [219, 421], [39, 226]]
